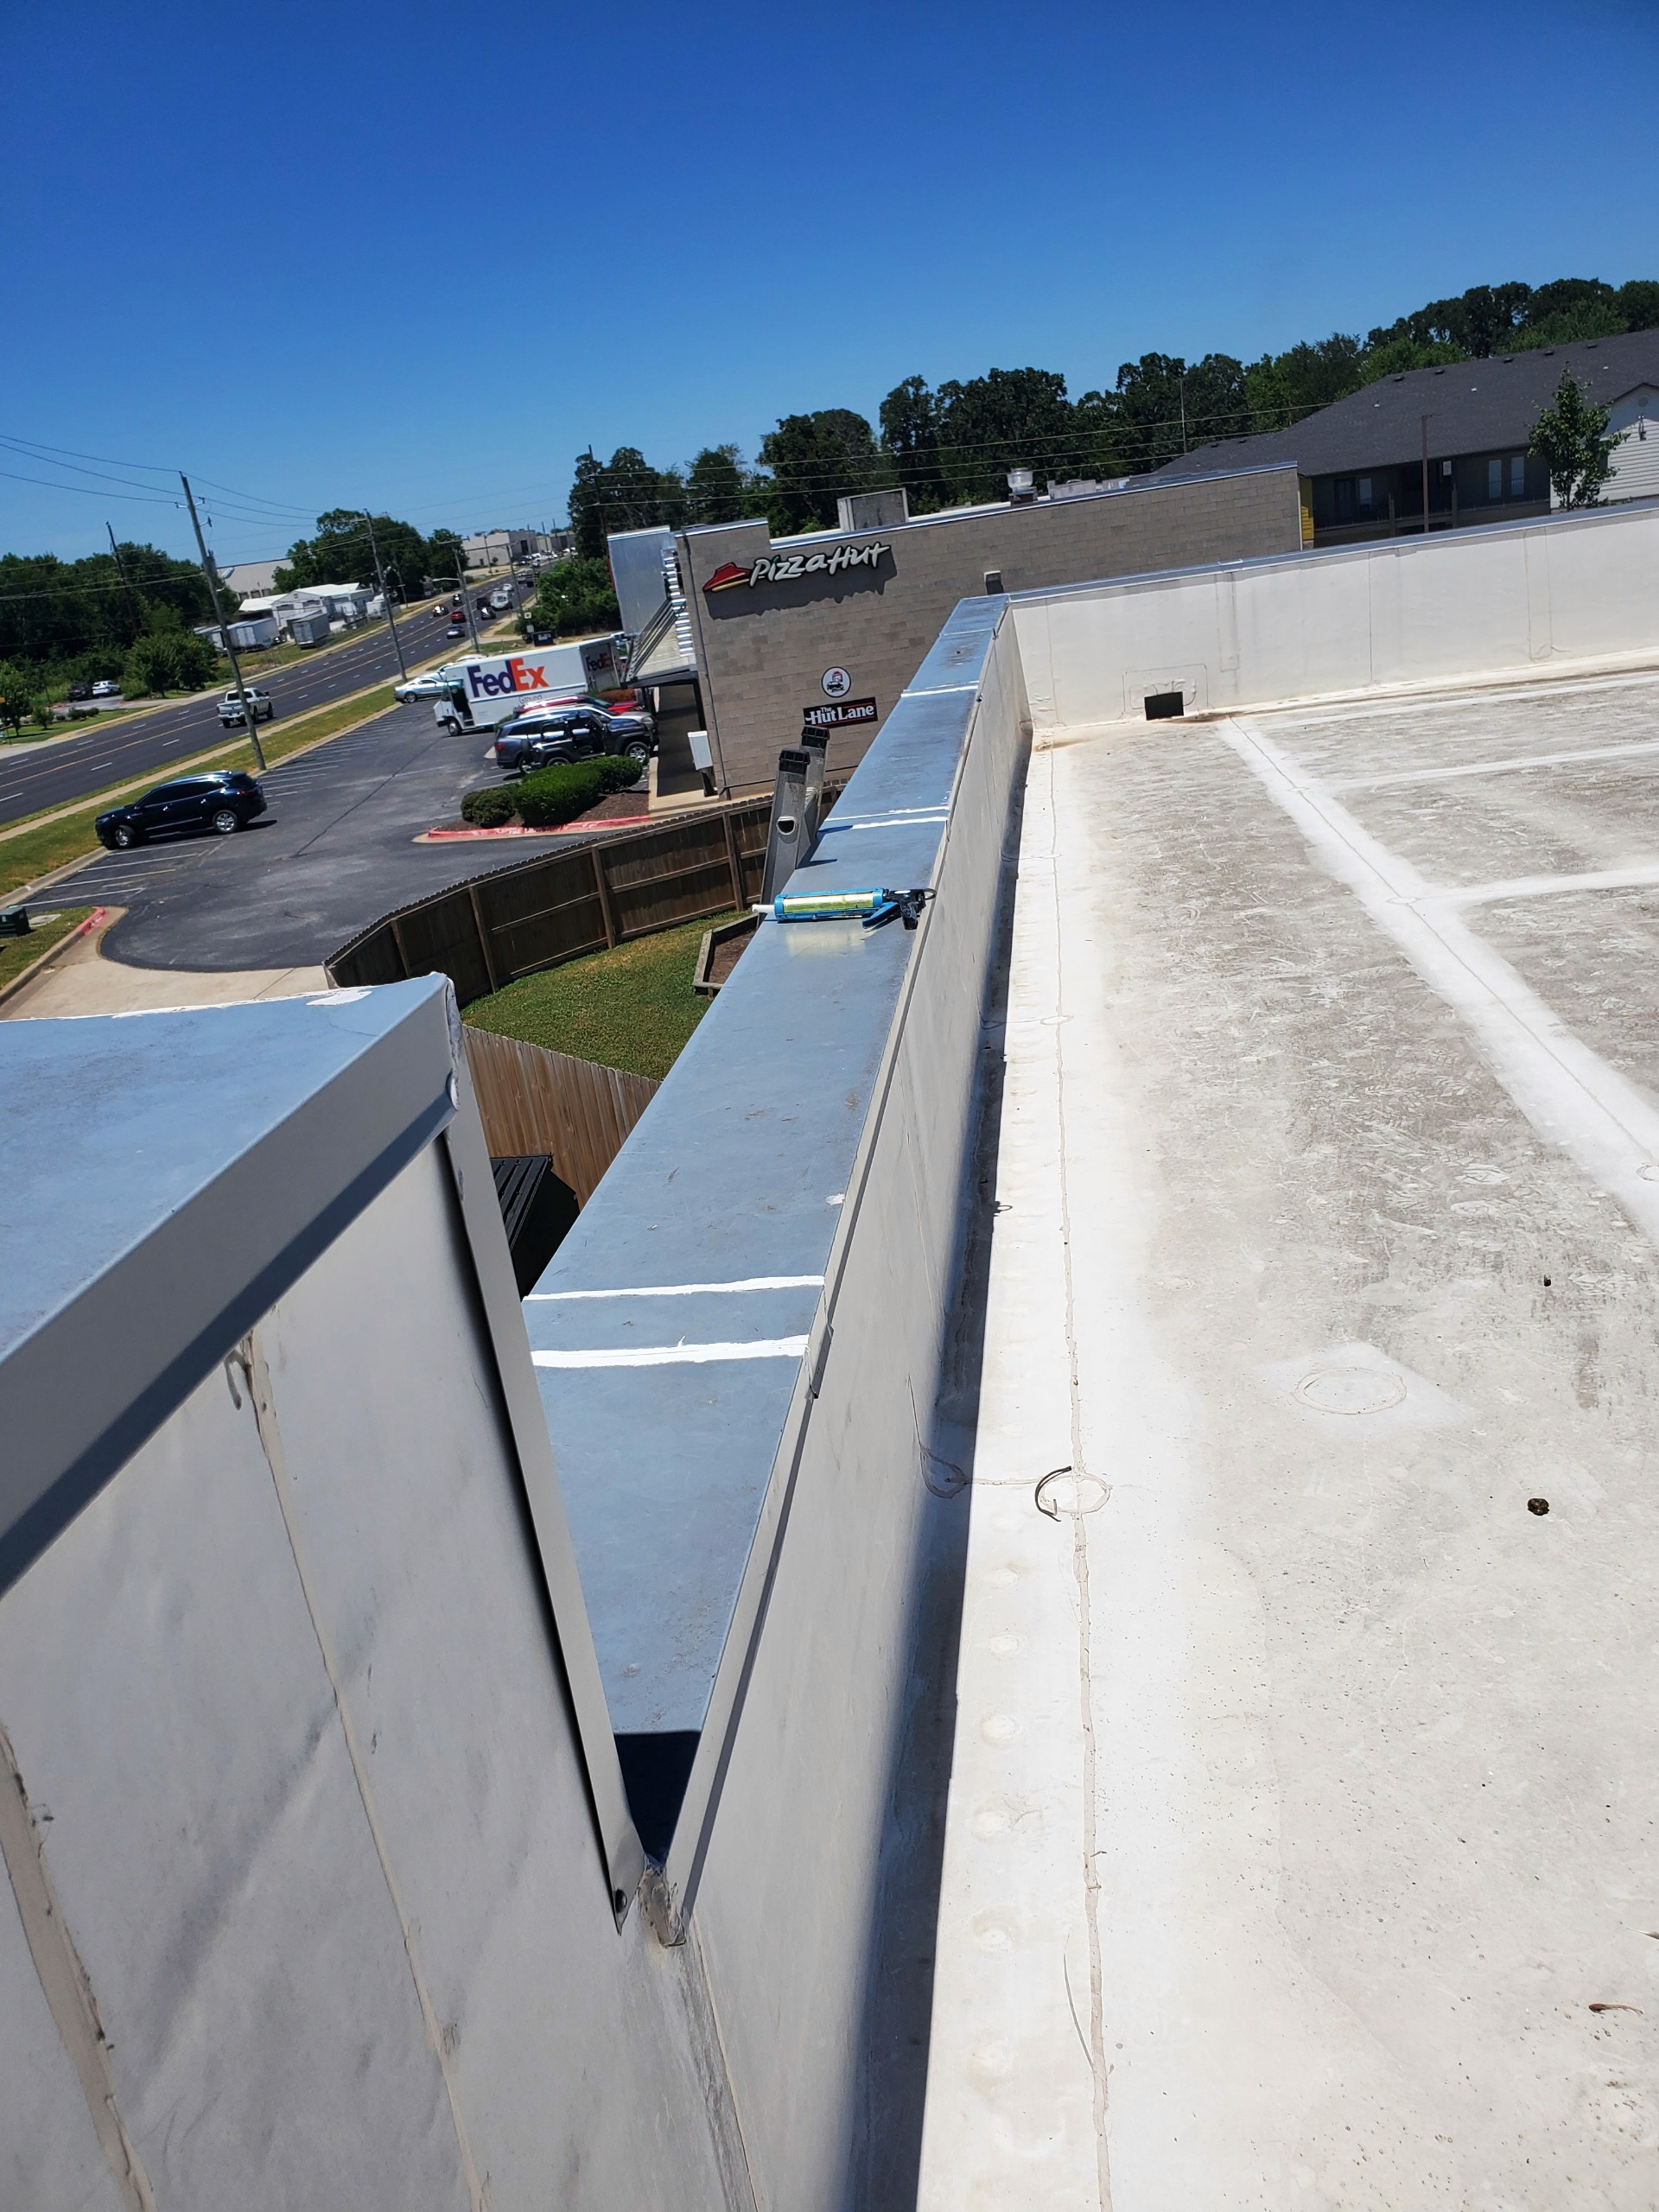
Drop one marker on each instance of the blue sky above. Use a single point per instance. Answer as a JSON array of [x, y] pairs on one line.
[[419, 256]]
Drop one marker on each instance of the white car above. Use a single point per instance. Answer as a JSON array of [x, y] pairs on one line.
[[229, 706], [106, 689], [500, 599]]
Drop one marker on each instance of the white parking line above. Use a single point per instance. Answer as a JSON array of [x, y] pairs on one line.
[[1639, 876], [1570, 1095], [1637, 746]]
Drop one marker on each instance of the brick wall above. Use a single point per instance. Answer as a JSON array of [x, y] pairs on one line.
[[763, 651]]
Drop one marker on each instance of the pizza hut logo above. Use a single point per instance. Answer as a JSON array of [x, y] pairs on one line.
[[784, 567]]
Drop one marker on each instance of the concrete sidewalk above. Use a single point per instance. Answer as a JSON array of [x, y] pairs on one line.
[[83, 982]]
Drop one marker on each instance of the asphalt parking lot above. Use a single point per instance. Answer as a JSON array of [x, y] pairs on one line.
[[334, 852]]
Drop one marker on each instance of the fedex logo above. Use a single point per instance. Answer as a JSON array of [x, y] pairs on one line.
[[517, 675]]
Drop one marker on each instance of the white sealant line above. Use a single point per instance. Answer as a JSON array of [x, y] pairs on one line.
[[833, 828], [684, 1289], [1643, 875], [1492, 767], [936, 690], [675, 1355], [1568, 1092]]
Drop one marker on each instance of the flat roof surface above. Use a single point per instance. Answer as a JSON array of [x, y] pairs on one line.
[[1301, 1839]]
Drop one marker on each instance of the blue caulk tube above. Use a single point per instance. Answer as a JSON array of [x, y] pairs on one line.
[[827, 906], [872, 908]]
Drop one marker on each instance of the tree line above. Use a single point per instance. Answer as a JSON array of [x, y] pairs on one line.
[[953, 446]]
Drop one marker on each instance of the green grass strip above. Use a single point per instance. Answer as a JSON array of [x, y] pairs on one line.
[[17, 953], [632, 1008]]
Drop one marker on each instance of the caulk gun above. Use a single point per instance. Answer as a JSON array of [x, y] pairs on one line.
[[873, 907]]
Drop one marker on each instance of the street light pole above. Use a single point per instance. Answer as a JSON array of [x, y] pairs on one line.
[[212, 575], [380, 578], [466, 603]]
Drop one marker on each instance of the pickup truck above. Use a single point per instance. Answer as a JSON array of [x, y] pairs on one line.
[[229, 706]]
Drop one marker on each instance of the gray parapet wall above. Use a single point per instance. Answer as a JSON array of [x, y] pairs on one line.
[[740, 1348], [312, 1838]]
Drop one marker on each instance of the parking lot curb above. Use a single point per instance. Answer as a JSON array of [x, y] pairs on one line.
[[559, 829]]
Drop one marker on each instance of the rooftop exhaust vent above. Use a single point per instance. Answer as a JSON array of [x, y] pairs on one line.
[[1021, 493]]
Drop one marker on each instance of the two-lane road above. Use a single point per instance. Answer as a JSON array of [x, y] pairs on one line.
[[66, 769]]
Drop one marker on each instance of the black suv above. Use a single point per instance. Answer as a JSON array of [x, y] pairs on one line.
[[572, 732], [224, 801]]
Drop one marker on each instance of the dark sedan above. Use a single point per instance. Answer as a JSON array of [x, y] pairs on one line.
[[223, 801]]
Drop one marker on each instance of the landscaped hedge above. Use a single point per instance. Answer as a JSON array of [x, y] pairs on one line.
[[548, 797]]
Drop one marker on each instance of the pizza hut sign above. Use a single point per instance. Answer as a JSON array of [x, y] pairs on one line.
[[785, 567]]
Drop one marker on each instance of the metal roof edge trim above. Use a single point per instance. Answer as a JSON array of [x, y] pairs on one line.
[[699, 1807], [77, 1439]]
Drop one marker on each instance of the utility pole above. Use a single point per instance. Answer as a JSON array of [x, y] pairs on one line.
[[380, 578], [1424, 476], [120, 570], [212, 575], [466, 603], [1183, 410]]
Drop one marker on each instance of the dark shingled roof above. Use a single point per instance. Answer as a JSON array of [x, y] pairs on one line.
[[1472, 407]]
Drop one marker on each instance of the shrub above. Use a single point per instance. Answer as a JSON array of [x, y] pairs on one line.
[[489, 808], [549, 796]]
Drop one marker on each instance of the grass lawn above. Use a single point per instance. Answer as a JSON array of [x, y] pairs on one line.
[[17, 953], [632, 1008]]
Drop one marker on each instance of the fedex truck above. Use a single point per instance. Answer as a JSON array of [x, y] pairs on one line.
[[479, 693]]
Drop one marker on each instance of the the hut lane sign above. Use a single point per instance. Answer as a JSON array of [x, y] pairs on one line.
[[841, 715], [787, 568]]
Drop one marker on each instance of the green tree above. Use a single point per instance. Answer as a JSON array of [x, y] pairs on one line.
[[909, 433], [574, 598], [17, 683], [1572, 438], [814, 460], [716, 488], [1008, 418], [625, 493], [1638, 303], [1397, 357], [169, 658], [1161, 407], [587, 508], [343, 550]]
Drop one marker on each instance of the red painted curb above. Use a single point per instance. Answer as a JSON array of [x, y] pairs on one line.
[[562, 829]]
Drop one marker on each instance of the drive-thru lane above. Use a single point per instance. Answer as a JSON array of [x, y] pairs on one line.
[[65, 769], [334, 852]]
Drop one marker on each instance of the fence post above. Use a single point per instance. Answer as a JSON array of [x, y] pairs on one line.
[[483, 937], [734, 859], [604, 891]]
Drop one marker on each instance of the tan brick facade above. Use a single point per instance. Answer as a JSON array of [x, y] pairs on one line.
[[763, 651]]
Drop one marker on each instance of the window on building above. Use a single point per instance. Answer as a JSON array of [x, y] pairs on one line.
[[1343, 492], [1364, 493], [1518, 476], [1494, 480]]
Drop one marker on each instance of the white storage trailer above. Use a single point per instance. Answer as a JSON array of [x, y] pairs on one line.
[[479, 692]]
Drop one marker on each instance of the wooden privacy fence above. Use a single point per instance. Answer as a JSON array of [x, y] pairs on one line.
[[533, 1101], [493, 929]]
